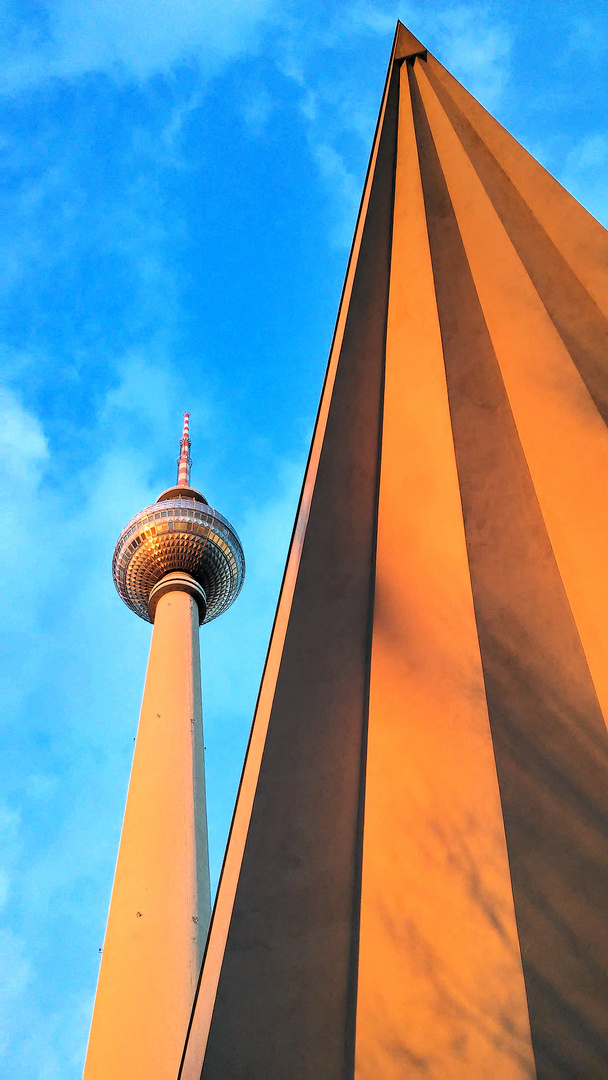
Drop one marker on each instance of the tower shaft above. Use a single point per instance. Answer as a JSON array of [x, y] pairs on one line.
[[159, 911]]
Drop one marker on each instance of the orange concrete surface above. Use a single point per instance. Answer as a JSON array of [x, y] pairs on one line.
[[564, 438], [440, 984], [160, 903], [577, 318], [416, 877], [205, 1000], [549, 735], [580, 238], [406, 44]]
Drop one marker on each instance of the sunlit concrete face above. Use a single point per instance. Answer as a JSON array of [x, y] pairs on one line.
[[417, 876], [177, 564], [160, 901], [440, 983]]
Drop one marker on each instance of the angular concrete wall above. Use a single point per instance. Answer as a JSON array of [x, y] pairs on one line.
[[416, 879]]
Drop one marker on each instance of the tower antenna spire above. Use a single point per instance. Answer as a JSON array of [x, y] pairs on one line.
[[184, 460]]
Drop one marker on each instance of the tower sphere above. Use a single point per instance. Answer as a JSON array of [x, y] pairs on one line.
[[179, 533]]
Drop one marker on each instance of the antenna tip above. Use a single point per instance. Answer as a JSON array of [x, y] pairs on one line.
[[183, 461]]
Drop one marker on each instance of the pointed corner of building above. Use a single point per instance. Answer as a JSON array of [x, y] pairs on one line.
[[406, 45]]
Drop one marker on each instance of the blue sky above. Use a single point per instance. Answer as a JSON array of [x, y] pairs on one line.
[[180, 182]]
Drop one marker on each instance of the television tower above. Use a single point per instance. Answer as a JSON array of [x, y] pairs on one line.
[[177, 564]]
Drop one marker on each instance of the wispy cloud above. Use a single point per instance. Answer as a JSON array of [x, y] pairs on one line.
[[345, 187], [475, 43], [257, 108], [125, 39], [15, 974], [473, 39], [583, 174], [24, 453], [585, 37], [23, 445]]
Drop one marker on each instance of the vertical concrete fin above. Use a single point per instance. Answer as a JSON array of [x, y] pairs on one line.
[[581, 323], [541, 353], [581, 239], [549, 736], [433, 820]]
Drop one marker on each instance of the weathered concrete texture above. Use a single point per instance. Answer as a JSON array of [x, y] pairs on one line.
[[417, 878]]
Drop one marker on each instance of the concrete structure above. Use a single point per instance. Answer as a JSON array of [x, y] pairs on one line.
[[177, 564], [416, 879]]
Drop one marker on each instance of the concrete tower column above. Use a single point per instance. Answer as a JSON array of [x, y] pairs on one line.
[[159, 913], [177, 564]]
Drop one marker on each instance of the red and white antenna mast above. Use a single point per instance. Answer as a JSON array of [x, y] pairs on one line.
[[184, 460]]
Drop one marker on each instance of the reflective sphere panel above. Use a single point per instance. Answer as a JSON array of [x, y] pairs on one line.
[[179, 534]]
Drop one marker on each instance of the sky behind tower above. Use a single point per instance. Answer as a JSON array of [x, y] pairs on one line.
[[181, 180]]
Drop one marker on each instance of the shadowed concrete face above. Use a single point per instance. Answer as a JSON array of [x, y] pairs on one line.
[[416, 880], [290, 948]]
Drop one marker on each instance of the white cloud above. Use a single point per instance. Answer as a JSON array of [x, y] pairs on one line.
[[126, 39], [469, 38], [15, 967], [345, 186], [588, 154], [257, 108], [24, 454], [10, 844], [23, 446], [41, 787], [339, 118], [364, 17], [476, 46], [5, 884], [173, 130], [15, 974], [586, 38]]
